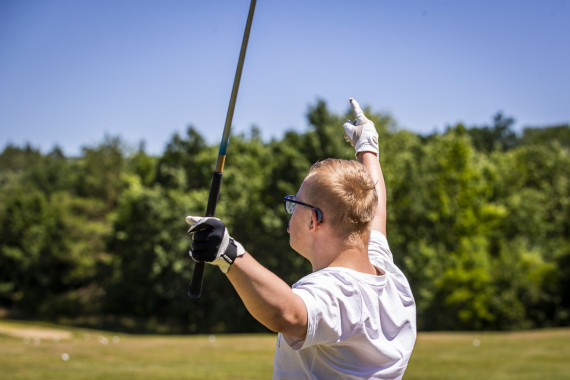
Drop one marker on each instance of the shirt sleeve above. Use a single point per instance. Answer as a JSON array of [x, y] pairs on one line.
[[379, 250], [329, 307]]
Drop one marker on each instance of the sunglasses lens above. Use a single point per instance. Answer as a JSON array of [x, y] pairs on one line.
[[289, 206]]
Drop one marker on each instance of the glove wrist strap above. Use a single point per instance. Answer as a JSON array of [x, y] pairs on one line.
[[233, 250]]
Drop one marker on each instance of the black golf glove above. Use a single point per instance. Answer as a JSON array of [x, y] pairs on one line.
[[212, 243]]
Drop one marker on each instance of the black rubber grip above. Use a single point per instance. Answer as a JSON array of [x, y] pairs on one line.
[[195, 289]]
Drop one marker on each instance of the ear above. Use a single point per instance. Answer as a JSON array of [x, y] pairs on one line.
[[314, 222]]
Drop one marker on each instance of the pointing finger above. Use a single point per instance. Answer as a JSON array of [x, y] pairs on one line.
[[191, 220], [360, 117]]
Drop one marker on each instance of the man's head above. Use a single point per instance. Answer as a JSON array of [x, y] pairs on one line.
[[346, 194]]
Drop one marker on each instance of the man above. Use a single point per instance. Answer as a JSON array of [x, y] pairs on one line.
[[354, 317]]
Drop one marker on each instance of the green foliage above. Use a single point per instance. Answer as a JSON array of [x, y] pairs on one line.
[[148, 237], [98, 172], [543, 136], [477, 219], [499, 136]]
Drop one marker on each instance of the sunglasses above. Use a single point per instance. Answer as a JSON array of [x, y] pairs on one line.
[[291, 202]]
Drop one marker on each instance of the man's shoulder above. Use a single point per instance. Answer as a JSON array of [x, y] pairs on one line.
[[323, 277]]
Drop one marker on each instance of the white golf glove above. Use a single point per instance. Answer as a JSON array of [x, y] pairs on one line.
[[212, 243], [361, 133]]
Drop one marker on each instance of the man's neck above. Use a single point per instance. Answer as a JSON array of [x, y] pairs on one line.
[[335, 253]]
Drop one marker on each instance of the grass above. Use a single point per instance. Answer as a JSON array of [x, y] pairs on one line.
[[37, 351], [529, 355]]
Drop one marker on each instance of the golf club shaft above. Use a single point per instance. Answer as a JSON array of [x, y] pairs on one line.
[[195, 289]]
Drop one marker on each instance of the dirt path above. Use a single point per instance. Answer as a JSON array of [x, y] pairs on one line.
[[22, 331]]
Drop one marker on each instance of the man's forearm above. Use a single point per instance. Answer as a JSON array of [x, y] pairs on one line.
[[268, 298], [372, 164]]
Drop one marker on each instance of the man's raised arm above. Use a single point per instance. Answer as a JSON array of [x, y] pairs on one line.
[[363, 136]]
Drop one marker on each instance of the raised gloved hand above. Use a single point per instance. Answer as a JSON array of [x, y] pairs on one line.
[[361, 133], [212, 243]]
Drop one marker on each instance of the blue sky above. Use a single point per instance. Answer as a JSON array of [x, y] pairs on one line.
[[72, 71]]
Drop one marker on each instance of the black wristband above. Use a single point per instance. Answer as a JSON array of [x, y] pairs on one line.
[[231, 252]]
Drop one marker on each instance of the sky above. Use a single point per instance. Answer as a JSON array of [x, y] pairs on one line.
[[73, 72]]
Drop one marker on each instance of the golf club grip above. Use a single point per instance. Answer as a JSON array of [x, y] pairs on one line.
[[195, 289]]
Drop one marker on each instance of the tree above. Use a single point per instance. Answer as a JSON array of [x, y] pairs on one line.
[[187, 163], [477, 220], [499, 136], [98, 172], [546, 136]]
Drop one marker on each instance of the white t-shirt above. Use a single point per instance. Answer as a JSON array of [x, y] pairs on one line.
[[360, 326]]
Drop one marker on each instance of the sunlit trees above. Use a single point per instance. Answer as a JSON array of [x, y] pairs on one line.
[[477, 219]]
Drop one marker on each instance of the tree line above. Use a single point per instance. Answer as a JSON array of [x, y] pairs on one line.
[[478, 219]]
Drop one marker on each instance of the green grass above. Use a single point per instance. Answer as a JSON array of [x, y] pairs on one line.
[[32, 351], [529, 355]]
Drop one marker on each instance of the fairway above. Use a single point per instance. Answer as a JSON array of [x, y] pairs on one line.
[[529, 355], [40, 351]]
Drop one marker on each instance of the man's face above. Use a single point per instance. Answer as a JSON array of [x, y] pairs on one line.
[[299, 224]]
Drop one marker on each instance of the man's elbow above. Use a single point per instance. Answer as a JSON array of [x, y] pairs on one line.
[[293, 324]]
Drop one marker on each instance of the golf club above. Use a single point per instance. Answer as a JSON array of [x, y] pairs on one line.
[[195, 289]]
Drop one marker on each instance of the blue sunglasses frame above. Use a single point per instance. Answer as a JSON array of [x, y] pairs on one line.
[[290, 203]]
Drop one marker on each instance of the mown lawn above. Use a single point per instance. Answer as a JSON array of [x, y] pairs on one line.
[[40, 351], [529, 355]]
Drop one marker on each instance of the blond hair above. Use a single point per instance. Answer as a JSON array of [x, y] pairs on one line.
[[344, 191]]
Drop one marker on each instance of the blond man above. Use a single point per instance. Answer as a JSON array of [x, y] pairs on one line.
[[354, 316]]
